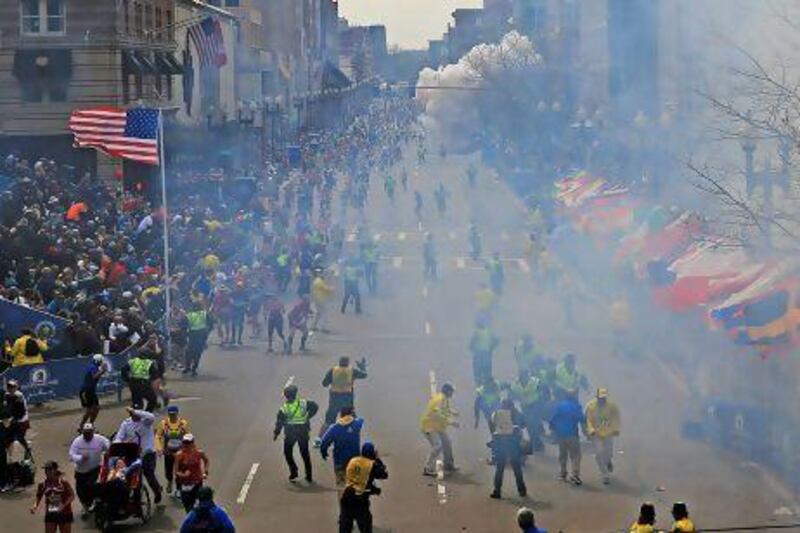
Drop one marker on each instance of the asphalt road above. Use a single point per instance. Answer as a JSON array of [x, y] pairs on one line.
[[415, 333]]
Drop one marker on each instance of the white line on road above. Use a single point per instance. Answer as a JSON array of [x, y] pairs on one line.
[[427, 328], [247, 482], [185, 399], [461, 262], [397, 262], [434, 387], [424, 291], [401, 236], [524, 266]]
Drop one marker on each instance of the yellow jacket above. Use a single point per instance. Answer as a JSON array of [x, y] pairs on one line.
[[17, 352], [642, 528], [437, 414], [684, 526], [321, 292], [602, 421]]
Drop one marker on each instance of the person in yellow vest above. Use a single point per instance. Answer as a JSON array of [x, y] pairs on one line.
[[568, 378], [682, 523], [525, 353], [321, 293], [482, 345], [485, 300], [140, 372], [340, 380], [646, 523], [602, 426], [27, 349], [507, 446], [438, 416], [200, 325], [360, 476], [528, 392], [169, 437], [293, 419]]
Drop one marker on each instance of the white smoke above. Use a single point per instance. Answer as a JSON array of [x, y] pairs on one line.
[[451, 95]]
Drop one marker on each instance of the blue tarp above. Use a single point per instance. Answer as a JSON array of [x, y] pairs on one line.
[[13, 318]]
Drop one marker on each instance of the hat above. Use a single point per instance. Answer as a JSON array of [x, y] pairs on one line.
[[98, 358], [172, 409], [205, 497], [602, 393], [368, 450], [188, 438], [88, 426]]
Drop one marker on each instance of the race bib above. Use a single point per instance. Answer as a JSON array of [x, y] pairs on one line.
[[187, 488], [174, 445]]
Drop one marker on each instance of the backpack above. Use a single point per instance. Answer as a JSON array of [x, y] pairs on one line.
[[31, 347]]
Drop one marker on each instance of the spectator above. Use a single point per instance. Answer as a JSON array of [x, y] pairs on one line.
[[527, 522], [28, 349], [207, 516]]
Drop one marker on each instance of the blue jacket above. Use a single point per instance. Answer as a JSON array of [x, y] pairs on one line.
[[566, 419], [210, 520], [345, 435]]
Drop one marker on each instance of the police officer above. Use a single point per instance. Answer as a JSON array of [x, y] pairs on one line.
[[139, 372], [352, 273], [369, 255], [360, 476], [528, 392], [567, 377], [496, 273], [525, 353], [293, 419], [482, 345], [340, 381], [200, 324], [506, 445]]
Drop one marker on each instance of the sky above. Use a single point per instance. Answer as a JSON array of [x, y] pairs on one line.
[[409, 23]]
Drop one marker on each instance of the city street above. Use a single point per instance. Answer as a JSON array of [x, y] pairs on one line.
[[414, 335]]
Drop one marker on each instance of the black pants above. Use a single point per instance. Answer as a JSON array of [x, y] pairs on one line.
[[354, 510], [141, 392], [197, 343], [169, 467], [481, 366], [533, 424], [297, 436], [237, 326], [274, 325], [371, 275], [4, 441], [507, 450], [189, 497], [351, 292], [149, 471], [85, 484]]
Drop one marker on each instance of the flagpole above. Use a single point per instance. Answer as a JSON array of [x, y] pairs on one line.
[[168, 296]]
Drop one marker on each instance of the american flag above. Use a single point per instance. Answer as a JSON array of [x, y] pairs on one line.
[[208, 41], [129, 134]]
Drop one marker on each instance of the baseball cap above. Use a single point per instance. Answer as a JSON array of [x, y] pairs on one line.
[[188, 438], [88, 426], [602, 393], [172, 408]]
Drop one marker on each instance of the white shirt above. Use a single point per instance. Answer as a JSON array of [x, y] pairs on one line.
[[114, 330], [92, 449], [145, 224], [138, 431]]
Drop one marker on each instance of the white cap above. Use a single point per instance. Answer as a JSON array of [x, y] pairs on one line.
[[88, 426]]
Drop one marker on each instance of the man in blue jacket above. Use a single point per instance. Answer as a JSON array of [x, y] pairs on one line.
[[345, 435], [564, 424], [207, 517]]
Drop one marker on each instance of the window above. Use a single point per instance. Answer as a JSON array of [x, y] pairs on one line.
[[159, 23], [138, 19], [170, 28], [42, 17], [148, 20], [126, 7]]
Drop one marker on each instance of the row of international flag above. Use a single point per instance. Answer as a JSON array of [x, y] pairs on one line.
[[756, 302]]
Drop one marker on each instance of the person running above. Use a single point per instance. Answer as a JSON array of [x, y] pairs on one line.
[[429, 258], [496, 273], [88, 393], [293, 419], [369, 257], [298, 321], [418, 204], [404, 179], [602, 426], [482, 344], [474, 237], [321, 293], [169, 437], [388, 186], [275, 310], [86, 452], [191, 470], [139, 372], [340, 380], [138, 428], [440, 194], [506, 422], [565, 424], [352, 275], [438, 416], [530, 393], [207, 516], [17, 407], [58, 495], [360, 476], [345, 436], [200, 324]]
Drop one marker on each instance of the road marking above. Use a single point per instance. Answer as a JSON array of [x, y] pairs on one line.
[[185, 399], [427, 328], [434, 387], [523, 265], [504, 236], [397, 262], [351, 237], [247, 482], [377, 237], [424, 291], [452, 235], [401, 236], [461, 262]]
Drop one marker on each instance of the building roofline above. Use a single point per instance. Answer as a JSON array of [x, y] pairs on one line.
[[208, 7]]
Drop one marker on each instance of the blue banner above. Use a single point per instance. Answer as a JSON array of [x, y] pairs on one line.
[[51, 328], [61, 379]]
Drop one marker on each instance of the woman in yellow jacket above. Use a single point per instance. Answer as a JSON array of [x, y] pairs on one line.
[[602, 425], [437, 417], [24, 352]]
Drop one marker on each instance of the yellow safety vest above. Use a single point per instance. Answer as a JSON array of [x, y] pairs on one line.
[[503, 424], [527, 393], [357, 474], [197, 320], [525, 356], [342, 379], [490, 398], [351, 273], [140, 368], [296, 412], [684, 526], [565, 379], [483, 340]]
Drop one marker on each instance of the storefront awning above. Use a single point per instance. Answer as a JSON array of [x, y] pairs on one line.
[[167, 64], [42, 63], [333, 78], [146, 61], [131, 64]]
